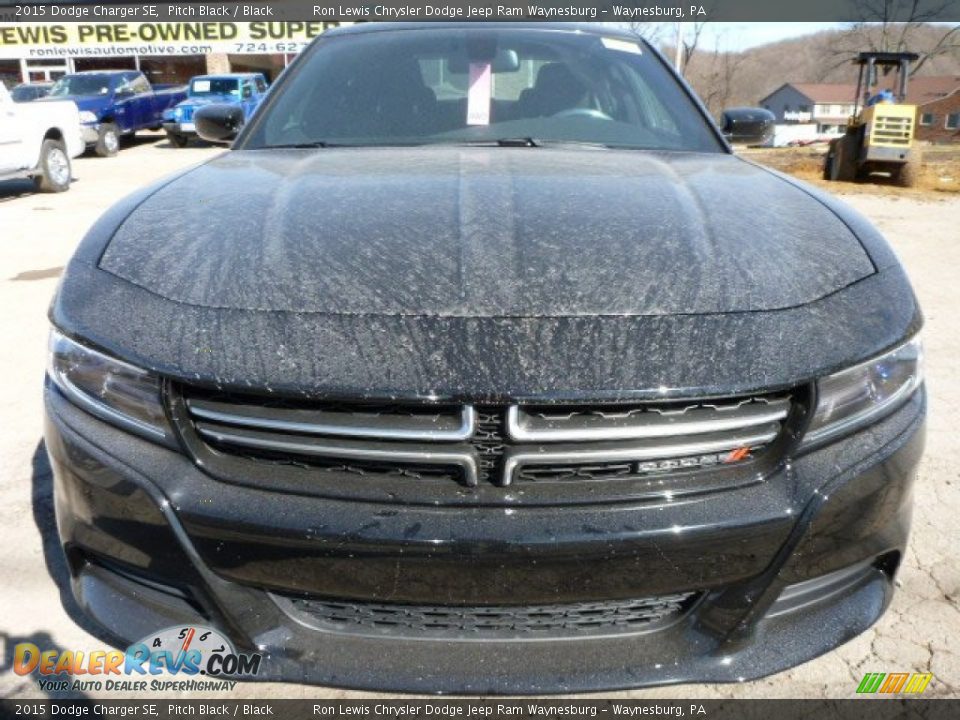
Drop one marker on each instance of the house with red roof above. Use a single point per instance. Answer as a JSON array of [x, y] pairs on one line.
[[830, 105]]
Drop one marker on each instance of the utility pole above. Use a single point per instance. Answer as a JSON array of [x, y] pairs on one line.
[[678, 55]]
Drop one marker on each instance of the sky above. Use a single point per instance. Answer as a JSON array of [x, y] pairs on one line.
[[739, 36]]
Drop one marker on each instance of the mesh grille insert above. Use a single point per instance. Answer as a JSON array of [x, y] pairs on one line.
[[502, 622]]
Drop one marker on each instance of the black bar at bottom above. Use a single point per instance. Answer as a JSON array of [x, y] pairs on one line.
[[880, 708]]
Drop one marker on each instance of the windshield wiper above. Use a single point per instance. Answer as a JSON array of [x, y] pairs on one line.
[[313, 144], [501, 142], [327, 144], [531, 142], [518, 142]]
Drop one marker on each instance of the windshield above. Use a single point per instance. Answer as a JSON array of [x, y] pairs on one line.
[[81, 85], [203, 87], [481, 85], [23, 93]]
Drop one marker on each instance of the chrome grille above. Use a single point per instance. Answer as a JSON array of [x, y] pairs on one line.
[[369, 421], [636, 422], [639, 440], [490, 622], [487, 444]]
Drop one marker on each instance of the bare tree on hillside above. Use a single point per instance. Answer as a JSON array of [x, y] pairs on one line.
[[715, 78], [656, 33], [892, 26], [652, 32], [691, 39]]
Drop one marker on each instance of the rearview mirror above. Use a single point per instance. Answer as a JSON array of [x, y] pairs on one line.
[[748, 126], [218, 122], [503, 61]]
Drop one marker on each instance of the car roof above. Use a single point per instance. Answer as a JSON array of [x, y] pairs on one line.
[[604, 29], [232, 76]]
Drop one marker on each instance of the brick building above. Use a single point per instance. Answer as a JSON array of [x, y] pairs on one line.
[[938, 107]]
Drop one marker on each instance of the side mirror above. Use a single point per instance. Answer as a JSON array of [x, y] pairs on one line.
[[218, 122], [748, 126], [126, 91]]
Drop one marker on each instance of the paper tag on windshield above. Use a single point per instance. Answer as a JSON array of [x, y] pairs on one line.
[[201, 86], [621, 45], [478, 97]]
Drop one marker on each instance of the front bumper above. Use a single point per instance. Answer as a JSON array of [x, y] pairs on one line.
[[785, 569], [176, 128], [90, 133]]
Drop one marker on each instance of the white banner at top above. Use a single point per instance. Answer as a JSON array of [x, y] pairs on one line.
[[55, 40]]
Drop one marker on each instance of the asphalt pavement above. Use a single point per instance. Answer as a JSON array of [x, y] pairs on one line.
[[38, 233]]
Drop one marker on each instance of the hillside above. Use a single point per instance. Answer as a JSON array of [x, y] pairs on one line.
[[736, 79]]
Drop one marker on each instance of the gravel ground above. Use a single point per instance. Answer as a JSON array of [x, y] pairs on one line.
[[921, 631]]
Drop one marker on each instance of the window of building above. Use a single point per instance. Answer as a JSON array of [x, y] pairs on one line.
[[270, 65], [953, 121], [105, 63], [173, 70], [926, 118], [10, 72]]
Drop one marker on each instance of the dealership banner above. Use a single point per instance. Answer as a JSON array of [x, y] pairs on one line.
[[53, 40]]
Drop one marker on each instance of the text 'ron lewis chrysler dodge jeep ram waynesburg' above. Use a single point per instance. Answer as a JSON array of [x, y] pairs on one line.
[[480, 364]]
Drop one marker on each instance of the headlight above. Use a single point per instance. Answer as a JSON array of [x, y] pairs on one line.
[[112, 390], [862, 394], [178, 113], [87, 117]]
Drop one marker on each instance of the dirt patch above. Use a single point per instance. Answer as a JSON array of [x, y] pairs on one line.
[[939, 173]]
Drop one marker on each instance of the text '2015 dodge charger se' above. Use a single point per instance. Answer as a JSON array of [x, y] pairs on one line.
[[480, 364]]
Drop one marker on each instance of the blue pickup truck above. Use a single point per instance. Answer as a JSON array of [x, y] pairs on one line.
[[114, 103], [245, 90]]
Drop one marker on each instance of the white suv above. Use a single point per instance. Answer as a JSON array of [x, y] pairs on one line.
[[37, 140]]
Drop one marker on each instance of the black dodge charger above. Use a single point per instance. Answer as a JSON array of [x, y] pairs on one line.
[[480, 364]]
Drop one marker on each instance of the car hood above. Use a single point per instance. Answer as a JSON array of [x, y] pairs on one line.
[[89, 103], [209, 100], [485, 232]]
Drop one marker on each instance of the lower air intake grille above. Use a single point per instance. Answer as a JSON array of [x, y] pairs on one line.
[[503, 622]]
